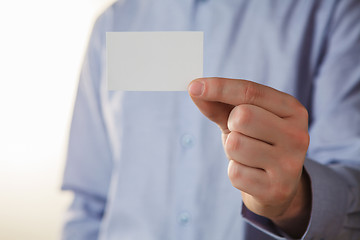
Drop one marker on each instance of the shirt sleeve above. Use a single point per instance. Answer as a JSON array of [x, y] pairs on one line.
[[333, 158], [89, 157], [334, 151]]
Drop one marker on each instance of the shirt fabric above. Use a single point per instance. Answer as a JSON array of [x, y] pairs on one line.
[[149, 165]]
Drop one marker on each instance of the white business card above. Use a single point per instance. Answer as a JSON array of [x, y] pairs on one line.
[[153, 61]]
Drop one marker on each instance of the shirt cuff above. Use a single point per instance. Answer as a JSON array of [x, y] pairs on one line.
[[261, 223], [329, 201]]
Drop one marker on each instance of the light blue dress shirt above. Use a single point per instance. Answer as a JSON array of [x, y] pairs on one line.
[[149, 165]]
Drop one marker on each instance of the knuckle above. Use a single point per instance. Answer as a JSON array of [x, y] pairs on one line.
[[303, 112], [244, 115], [251, 93], [233, 142], [303, 115], [300, 139], [299, 110], [233, 173], [240, 116], [293, 103]]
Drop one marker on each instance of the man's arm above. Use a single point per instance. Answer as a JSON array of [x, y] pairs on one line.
[[89, 157], [333, 157]]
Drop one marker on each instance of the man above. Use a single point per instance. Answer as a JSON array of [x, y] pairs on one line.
[[149, 165]]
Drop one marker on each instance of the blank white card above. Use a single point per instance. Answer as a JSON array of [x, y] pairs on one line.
[[153, 61]]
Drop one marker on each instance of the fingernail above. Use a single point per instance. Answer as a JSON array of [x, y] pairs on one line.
[[196, 88]]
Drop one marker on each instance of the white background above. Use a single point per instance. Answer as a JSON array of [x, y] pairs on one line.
[[42, 44]]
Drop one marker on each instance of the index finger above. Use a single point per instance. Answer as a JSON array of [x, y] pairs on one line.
[[236, 92]]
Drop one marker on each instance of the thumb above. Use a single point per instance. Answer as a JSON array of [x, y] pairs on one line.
[[217, 112]]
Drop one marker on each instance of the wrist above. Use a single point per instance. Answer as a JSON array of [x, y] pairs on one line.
[[295, 219]]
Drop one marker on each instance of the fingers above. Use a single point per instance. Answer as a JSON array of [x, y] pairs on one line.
[[256, 122], [236, 92], [265, 136], [247, 179], [248, 151]]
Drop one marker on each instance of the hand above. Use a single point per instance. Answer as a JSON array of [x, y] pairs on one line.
[[265, 137]]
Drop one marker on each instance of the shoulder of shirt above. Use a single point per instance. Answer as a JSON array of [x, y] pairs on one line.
[[119, 15]]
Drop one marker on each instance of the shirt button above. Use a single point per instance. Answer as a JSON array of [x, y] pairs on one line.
[[184, 218], [187, 141]]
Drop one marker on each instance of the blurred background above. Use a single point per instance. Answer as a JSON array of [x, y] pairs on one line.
[[42, 45]]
